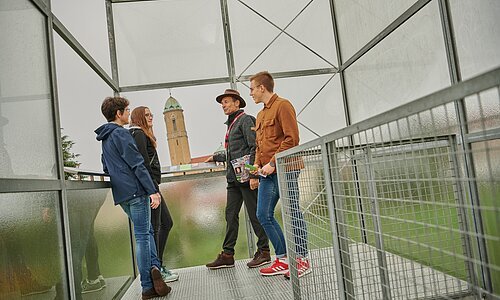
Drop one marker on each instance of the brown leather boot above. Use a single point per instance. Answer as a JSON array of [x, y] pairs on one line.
[[261, 257], [223, 260], [160, 287], [151, 294]]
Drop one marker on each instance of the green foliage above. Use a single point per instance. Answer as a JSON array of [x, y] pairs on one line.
[[69, 158]]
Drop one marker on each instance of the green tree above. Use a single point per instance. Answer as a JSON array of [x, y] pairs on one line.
[[69, 158]]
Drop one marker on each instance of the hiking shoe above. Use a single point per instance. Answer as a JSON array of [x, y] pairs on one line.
[[303, 268], [101, 280], [223, 260], [160, 286], [278, 267], [150, 294], [167, 275], [260, 258], [89, 286]]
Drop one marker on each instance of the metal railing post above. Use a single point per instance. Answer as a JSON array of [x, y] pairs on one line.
[[377, 227], [340, 245]]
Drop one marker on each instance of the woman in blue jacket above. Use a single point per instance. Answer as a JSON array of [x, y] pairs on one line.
[[141, 128]]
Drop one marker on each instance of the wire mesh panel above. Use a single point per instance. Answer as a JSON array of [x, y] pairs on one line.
[[307, 224], [402, 206]]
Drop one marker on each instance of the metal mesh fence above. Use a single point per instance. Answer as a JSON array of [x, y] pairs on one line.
[[403, 206]]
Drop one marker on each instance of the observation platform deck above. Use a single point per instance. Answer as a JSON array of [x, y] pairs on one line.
[[408, 280], [239, 282]]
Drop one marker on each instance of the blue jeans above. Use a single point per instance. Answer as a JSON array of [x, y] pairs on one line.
[[266, 204], [139, 211]]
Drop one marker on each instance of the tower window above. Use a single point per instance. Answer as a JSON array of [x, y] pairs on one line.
[[175, 124], [177, 141]]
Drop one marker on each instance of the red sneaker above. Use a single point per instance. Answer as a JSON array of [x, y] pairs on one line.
[[303, 267], [278, 267]]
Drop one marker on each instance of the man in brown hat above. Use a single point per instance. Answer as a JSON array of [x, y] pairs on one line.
[[240, 146]]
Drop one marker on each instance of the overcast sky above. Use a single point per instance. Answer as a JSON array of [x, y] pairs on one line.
[[81, 91]]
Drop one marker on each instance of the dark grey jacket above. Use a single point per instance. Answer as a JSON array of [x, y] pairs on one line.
[[241, 142]]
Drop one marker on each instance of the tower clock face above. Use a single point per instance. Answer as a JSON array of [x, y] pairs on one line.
[[172, 117]]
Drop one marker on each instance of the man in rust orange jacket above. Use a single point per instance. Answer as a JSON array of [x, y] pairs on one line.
[[277, 130]]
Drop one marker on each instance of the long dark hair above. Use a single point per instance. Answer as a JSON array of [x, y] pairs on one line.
[[138, 118]]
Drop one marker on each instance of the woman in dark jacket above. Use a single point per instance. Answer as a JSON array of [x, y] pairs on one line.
[[141, 128]]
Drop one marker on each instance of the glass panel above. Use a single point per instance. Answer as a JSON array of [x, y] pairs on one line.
[[251, 34], [197, 209], [169, 41], [80, 92], [408, 64], [483, 110], [436, 122], [203, 117], [100, 241], [30, 253], [27, 148], [86, 20], [360, 21], [325, 114], [486, 156], [476, 23]]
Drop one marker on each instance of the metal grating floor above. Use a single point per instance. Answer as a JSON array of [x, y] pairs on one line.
[[239, 282], [408, 280]]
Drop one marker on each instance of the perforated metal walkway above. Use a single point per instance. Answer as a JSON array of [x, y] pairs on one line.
[[239, 282], [408, 280]]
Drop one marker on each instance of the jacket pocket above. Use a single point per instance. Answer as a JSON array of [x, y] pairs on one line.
[[269, 128]]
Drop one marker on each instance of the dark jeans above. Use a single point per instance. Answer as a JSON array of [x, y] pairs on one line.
[[268, 198], [236, 195], [162, 223]]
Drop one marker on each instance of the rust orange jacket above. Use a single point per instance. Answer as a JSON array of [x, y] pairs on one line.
[[276, 128]]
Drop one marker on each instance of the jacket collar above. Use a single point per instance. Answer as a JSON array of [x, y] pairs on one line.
[[271, 101], [231, 117]]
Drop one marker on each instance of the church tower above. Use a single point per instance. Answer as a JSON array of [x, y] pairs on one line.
[[178, 144]]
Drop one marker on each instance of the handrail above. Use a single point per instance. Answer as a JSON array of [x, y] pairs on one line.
[[455, 92], [167, 172]]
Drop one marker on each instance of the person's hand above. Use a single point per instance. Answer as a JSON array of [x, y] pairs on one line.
[[254, 183], [155, 200], [267, 169], [256, 171], [210, 159]]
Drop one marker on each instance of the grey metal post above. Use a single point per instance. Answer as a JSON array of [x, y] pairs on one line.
[[290, 242], [112, 43], [340, 245], [228, 43], [63, 225], [377, 228], [469, 169], [232, 77], [462, 215]]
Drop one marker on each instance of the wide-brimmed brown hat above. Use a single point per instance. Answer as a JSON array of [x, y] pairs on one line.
[[231, 93]]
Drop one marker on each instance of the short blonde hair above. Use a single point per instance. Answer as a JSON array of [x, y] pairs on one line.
[[265, 79]]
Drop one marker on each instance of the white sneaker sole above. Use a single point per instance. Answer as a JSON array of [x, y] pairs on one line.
[[301, 275], [275, 273], [221, 267], [260, 265]]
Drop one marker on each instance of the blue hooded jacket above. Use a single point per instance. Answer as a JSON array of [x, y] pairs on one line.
[[123, 162]]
